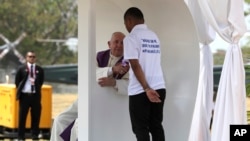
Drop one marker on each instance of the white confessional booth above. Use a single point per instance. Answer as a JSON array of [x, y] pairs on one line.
[[104, 116]]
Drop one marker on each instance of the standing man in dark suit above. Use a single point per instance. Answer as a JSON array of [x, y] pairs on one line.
[[29, 80]]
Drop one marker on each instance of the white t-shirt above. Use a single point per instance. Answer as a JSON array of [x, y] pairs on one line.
[[144, 45]]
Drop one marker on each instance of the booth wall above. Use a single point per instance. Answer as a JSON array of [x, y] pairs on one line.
[[104, 115]]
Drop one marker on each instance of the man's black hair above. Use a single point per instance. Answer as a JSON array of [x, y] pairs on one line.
[[134, 12]]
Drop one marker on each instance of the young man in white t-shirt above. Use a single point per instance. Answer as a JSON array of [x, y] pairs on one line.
[[146, 81]]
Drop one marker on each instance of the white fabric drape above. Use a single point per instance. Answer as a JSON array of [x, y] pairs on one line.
[[199, 130], [230, 107], [226, 17]]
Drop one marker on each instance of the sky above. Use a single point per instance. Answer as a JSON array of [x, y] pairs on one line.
[[218, 44]]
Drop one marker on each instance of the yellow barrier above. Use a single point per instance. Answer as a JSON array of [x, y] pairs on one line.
[[9, 107]]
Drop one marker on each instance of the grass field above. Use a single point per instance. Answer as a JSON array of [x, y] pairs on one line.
[[61, 101]]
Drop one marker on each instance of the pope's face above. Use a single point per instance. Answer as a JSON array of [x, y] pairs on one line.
[[116, 44]]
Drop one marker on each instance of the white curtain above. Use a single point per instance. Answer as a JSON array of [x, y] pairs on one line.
[[199, 130], [226, 17]]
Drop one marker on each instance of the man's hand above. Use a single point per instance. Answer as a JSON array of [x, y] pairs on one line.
[[106, 81], [120, 68], [153, 96]]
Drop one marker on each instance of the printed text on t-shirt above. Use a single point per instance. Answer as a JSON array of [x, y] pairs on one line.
[[150, 46]]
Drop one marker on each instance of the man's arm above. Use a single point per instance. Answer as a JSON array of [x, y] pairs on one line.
[[41, 76], [152, 95], [18, 77]]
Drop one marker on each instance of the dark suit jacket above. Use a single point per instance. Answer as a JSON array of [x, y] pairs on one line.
[[22, 75]]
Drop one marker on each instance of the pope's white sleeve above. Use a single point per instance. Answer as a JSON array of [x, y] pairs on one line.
[[101, 72]]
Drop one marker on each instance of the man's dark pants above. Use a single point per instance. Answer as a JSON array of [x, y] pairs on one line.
[[146, 117], [32, 102]]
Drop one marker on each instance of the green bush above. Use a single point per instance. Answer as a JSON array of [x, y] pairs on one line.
[[248, 90]]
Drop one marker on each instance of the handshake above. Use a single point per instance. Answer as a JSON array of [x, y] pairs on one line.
[[121, 69]]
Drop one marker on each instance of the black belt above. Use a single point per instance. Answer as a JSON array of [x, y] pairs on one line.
[[29, 93]]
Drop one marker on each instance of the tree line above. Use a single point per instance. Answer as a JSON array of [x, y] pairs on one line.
[[39, 19]]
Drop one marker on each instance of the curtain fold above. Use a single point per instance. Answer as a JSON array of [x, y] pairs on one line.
[[227, 18], [230, 107], [199, 130]]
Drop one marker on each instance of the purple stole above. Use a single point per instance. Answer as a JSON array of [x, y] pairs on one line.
[[102, 58], [67, 131]]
